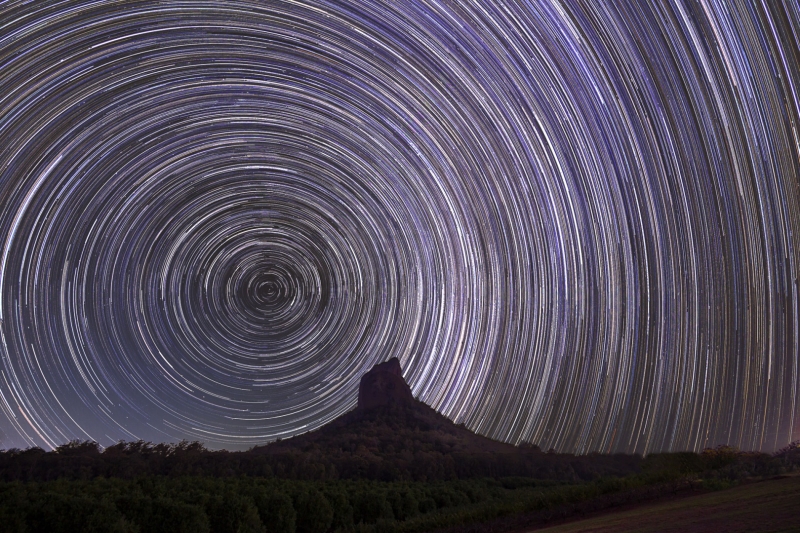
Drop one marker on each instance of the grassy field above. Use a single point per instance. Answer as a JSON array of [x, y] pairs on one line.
[[766, 506]]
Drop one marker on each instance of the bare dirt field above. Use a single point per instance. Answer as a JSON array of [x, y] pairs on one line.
[[766, 506]]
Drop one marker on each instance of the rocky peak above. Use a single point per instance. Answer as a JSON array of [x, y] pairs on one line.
[[384, 385]]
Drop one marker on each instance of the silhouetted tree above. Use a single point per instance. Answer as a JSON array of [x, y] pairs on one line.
[[276, 511], [314, 512]]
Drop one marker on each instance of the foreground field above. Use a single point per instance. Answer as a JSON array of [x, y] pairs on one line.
[[766, 506]]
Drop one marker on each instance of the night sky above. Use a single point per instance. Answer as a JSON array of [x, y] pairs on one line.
[[576, 223]]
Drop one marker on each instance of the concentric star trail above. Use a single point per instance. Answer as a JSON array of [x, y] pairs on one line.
[[576, 223]]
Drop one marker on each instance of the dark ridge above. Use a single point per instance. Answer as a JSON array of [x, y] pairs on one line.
[[391, 435]]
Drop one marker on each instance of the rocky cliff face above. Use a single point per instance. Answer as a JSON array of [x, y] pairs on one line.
[[384, 385]]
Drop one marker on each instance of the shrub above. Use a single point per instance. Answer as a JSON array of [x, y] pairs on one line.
[[342, 509], [314, 513], [232, 513], [427, 505], [371, 505], [276, 511]]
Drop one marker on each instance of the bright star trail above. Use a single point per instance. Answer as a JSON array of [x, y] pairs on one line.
[[575, 223]]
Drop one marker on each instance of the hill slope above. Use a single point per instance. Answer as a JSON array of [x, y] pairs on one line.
[[390, 435]]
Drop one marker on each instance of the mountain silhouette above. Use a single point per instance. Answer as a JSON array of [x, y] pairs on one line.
[[391, 435], [393, 419]]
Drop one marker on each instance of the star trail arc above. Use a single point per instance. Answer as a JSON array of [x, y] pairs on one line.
[[575, 223]]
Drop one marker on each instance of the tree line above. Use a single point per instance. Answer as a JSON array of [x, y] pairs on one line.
[[86, 460], [207, 503]]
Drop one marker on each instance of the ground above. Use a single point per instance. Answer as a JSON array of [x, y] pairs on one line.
[[767, 506]]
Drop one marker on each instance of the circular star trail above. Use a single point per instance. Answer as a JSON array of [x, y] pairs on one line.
[[575, 223]]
